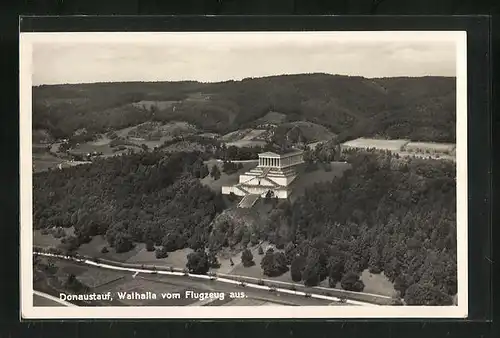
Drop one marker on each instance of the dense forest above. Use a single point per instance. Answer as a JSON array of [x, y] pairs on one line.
[[385, 214], [421, 109], [145, 197]]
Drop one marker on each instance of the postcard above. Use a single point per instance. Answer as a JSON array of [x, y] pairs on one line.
[[243, 175]]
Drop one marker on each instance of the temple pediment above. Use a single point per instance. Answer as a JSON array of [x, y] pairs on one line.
[[269, 154]]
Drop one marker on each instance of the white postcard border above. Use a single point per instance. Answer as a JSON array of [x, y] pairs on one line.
[[28, 311]]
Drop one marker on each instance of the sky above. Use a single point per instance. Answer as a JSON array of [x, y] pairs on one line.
[[222, 57]]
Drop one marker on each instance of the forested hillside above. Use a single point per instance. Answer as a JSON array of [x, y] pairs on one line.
[[131, 198], [421, 109], [384, 214]]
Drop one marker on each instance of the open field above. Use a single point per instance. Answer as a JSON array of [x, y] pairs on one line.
[[225, 179], [93, 249], [161, 105], [246, 138], [97, 278], [48, 240], [312, 132], [45, 241], [175, 259], [253, 134], [405, 148], [44, 161], [430, 146], [246, 143], [155, 134], [90, 147], [378, 284], [271, 118], [366, 143], [307, 179]]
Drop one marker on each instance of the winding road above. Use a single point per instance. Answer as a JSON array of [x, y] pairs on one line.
[[206, 277]]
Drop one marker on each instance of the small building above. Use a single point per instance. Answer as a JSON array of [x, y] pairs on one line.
[[272, 177]]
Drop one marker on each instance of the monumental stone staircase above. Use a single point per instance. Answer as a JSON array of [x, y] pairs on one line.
[[248, 201]]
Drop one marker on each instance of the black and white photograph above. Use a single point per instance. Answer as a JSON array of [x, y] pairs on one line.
[[243, 174]]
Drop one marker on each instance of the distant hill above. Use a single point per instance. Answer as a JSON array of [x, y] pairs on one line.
[[420, 109]]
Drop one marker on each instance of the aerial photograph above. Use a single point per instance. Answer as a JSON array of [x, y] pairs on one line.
[[253, 169]]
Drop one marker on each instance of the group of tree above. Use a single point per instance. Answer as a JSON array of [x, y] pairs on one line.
[[416, 108], [234, 153], [144, 197], [386, 214], [247, 258], [273, 263], [215, 172], [229, 167]]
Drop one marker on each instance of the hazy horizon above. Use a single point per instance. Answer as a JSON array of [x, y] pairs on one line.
[[256, 77], [218, 58]]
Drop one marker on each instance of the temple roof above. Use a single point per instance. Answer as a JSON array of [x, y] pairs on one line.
[[281, 153]]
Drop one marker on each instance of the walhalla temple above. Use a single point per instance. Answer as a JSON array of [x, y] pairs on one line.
[[272, 177]]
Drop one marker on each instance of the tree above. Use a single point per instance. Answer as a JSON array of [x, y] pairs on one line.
[[274, 264], [335, 270], [296, 268], [418, 294], [311, 272], [269, 195], [290, 252], [198, 262], [213, 262], [150, 245], [123, 243], [161, 253], [260, 251], [247, 258], [351, 282], [374, 261], [204, 171], [215, 172]]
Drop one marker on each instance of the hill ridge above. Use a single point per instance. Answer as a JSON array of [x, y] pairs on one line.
[[420, 108]]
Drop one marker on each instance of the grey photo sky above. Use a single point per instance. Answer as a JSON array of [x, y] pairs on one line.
[[224, 59]]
